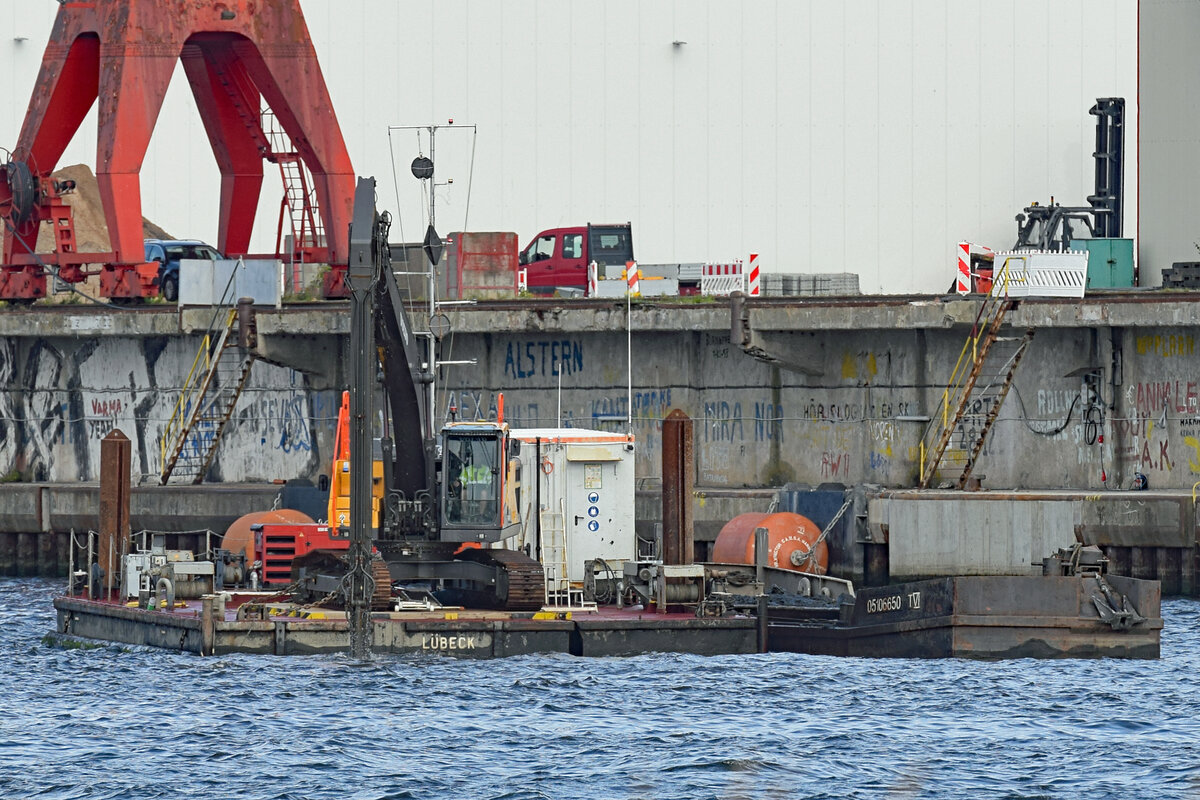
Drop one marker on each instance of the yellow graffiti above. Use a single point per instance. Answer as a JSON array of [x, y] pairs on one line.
[[853, 369], [1166, 346], [1194, 459], [849, 368]]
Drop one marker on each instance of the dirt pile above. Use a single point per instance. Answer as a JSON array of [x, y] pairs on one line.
[[91, 231]]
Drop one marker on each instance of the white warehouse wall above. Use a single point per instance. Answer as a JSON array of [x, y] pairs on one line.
[[865, 136], [1169, 152]]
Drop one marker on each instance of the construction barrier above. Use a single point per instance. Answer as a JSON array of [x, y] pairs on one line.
[[963, 284], [593, 277], [755, 288], [1042, 273], [722, 279], [522, 280], [631, 279], [965, 280]]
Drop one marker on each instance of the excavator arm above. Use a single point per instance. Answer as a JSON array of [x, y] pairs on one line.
[[416, 540]]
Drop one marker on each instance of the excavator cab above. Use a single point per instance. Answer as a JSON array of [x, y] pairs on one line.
[[479, 483]]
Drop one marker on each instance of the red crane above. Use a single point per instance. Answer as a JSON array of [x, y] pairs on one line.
[[236, 54]]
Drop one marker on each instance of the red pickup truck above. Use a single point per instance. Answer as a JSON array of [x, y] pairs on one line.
[[558, 258]]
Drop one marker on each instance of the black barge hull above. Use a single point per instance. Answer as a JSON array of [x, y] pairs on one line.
[[982, 617]]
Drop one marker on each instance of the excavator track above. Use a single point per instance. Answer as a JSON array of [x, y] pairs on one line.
[[381, 599], [522, 583]]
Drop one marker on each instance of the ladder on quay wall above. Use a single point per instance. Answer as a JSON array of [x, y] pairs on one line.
[[976, 390], [210, 393]]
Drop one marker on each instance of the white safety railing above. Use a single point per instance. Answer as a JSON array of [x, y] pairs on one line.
[[1038, 273]]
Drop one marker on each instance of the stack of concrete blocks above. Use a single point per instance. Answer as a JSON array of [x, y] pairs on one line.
[[834, 284]]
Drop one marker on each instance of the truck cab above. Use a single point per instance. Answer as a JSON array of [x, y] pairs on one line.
[[558, 258]]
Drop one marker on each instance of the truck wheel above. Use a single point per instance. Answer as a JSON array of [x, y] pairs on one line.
[[170, 288]]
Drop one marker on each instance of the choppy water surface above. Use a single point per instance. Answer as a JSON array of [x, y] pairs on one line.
[[115, 722]]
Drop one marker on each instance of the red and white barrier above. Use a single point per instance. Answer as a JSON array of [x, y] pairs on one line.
[[522, 280], [755, 288], [593, 277], [717, 280], [962, 283], [631, 278], [963, 280]]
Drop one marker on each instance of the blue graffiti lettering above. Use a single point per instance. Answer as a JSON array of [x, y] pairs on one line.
[[543, 358], [768, 422], [723, 422]]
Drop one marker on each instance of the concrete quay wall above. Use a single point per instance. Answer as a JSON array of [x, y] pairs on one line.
[[809, 391], [43, 527]]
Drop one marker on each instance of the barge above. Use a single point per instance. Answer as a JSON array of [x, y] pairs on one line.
[[248, 623], [985, 617]]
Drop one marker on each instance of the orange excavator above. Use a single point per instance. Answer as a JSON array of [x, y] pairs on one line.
[[339, 477]]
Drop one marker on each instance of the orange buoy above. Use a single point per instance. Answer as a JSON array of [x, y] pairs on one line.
[[239, 537], [790, 540]]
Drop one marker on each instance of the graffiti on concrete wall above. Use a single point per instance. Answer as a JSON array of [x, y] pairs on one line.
[[60, 398], [10, 421], [1154, 406], [43, 409], [273, 431], [1169, 346], [543, 358]]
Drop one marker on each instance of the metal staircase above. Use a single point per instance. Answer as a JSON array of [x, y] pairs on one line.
[[973, 396], [206, 403], [299, 205]]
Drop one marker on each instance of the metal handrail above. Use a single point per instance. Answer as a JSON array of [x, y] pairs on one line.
[[199, 377], [960, 383]]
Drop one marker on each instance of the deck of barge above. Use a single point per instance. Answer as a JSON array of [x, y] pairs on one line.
[[201, 628]]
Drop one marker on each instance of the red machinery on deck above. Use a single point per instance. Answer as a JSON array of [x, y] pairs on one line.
[[236, 53]]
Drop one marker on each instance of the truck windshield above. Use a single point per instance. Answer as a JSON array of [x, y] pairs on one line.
[[611, 245], [472, 480]]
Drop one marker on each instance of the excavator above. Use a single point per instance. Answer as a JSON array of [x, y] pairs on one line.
[[449, 499]]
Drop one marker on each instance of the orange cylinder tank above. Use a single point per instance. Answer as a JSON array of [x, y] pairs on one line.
[[790, 539], [239, 537]]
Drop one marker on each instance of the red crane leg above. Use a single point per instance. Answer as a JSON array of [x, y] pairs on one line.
[[133, 83], [295, 89], [66, 89], [229, 105]]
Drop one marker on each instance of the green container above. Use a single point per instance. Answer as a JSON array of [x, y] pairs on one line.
[[1110, 262]]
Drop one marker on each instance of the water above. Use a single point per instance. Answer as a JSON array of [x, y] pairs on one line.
[[115, 722]]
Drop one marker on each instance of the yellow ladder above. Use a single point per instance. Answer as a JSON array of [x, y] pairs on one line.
[[209, 395], [971, 400]]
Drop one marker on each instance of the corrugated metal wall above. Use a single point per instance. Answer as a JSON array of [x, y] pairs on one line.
[[864, 136]]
